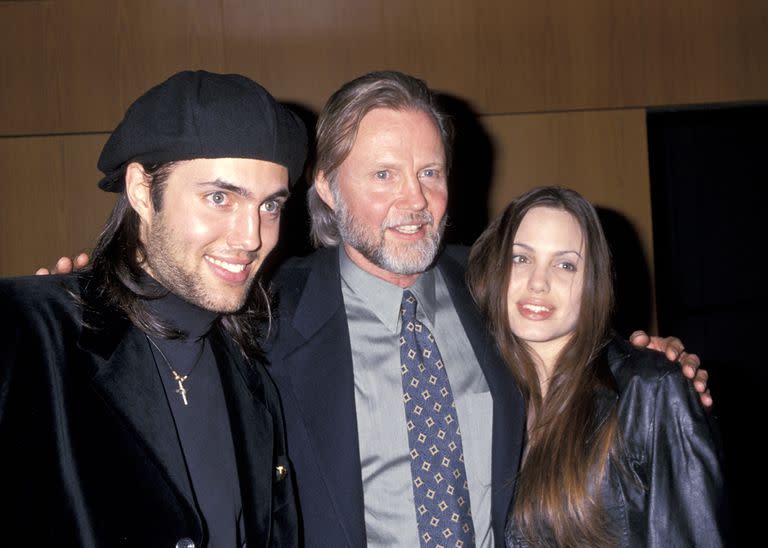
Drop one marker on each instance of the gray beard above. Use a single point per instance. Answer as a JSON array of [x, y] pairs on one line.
[[418, 259]]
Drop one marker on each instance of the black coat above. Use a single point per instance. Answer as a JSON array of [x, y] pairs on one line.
[[311, 361], [89, 455], [671, 493]]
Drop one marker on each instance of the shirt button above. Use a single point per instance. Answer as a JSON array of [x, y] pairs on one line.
[[185, 543]]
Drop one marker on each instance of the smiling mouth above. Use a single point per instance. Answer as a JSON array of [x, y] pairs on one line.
[[229, 267], [536, 308], [408, 229]]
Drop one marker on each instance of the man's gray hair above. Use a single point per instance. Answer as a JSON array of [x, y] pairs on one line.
[[337, 128]]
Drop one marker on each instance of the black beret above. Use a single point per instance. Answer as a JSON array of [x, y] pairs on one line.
[[204, 115]]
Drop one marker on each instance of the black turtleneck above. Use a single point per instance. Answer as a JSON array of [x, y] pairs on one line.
[[203, 424]]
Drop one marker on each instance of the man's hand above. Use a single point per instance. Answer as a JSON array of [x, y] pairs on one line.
[[65, 265], [674, 349]]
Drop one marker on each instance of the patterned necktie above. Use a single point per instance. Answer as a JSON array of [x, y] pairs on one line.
[[440, 488]]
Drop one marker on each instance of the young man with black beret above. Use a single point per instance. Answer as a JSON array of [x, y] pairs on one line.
[[134, 407]]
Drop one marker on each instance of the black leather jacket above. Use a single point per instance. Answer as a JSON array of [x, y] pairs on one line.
[[672, 491]]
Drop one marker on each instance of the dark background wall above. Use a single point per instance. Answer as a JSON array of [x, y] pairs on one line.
[[709, 183]]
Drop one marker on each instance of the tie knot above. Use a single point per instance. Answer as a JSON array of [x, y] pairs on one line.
[[409, 306]]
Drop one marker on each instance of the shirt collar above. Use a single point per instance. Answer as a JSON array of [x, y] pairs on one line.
[[383, 298], [193, 321]]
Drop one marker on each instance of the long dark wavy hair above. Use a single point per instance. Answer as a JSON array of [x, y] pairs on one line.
[[557, 495], [116, 268]]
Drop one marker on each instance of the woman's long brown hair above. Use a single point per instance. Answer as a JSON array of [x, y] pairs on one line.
[[557, 499]]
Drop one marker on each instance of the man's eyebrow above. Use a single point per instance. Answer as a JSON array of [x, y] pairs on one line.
[[432, 165], [240, 191], [394, 164], [283, 193], [224, 185]]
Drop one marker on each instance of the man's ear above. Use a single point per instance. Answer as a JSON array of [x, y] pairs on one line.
[[323, 187], [137, 188]]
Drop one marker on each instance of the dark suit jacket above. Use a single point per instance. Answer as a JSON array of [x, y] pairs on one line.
[[311, 362], [89, 455]]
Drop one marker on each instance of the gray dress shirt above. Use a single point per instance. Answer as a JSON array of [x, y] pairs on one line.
[[373, 313]]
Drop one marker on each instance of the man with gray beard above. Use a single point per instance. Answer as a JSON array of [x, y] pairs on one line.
[[404, 426]]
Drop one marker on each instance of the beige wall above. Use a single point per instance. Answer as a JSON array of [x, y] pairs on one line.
[[560, 86]]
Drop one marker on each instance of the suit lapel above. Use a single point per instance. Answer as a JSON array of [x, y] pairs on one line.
[[319, 364], [252, 436], [125, 376]]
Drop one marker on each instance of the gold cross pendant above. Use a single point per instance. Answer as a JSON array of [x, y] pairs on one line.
[[183, 391]]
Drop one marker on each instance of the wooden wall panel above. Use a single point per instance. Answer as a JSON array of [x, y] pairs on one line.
[[51, 204], [84, 61], [510, 56], [29, 95], [303, 51], [114, 51], [74, 65], [545, 56], [603, 155]]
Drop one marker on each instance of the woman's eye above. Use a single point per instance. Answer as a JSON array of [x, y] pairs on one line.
[[519, 259], [570, 267]]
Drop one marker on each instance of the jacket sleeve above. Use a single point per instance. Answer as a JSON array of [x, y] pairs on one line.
[[32, 461], [686, 491]]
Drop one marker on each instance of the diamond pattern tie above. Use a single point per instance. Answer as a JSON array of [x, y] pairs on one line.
[[440, 488]]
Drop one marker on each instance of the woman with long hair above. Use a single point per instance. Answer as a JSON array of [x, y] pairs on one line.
[[619, 450]]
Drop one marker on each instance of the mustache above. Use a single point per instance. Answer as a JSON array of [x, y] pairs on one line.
[[418, 218]]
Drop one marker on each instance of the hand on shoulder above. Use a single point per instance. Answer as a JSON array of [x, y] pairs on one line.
[[674, 349], [65, 265]]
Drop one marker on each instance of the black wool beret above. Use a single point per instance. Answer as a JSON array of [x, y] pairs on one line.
[[199, 114]]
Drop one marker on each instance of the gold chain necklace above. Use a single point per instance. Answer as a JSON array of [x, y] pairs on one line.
[[181, 390]]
